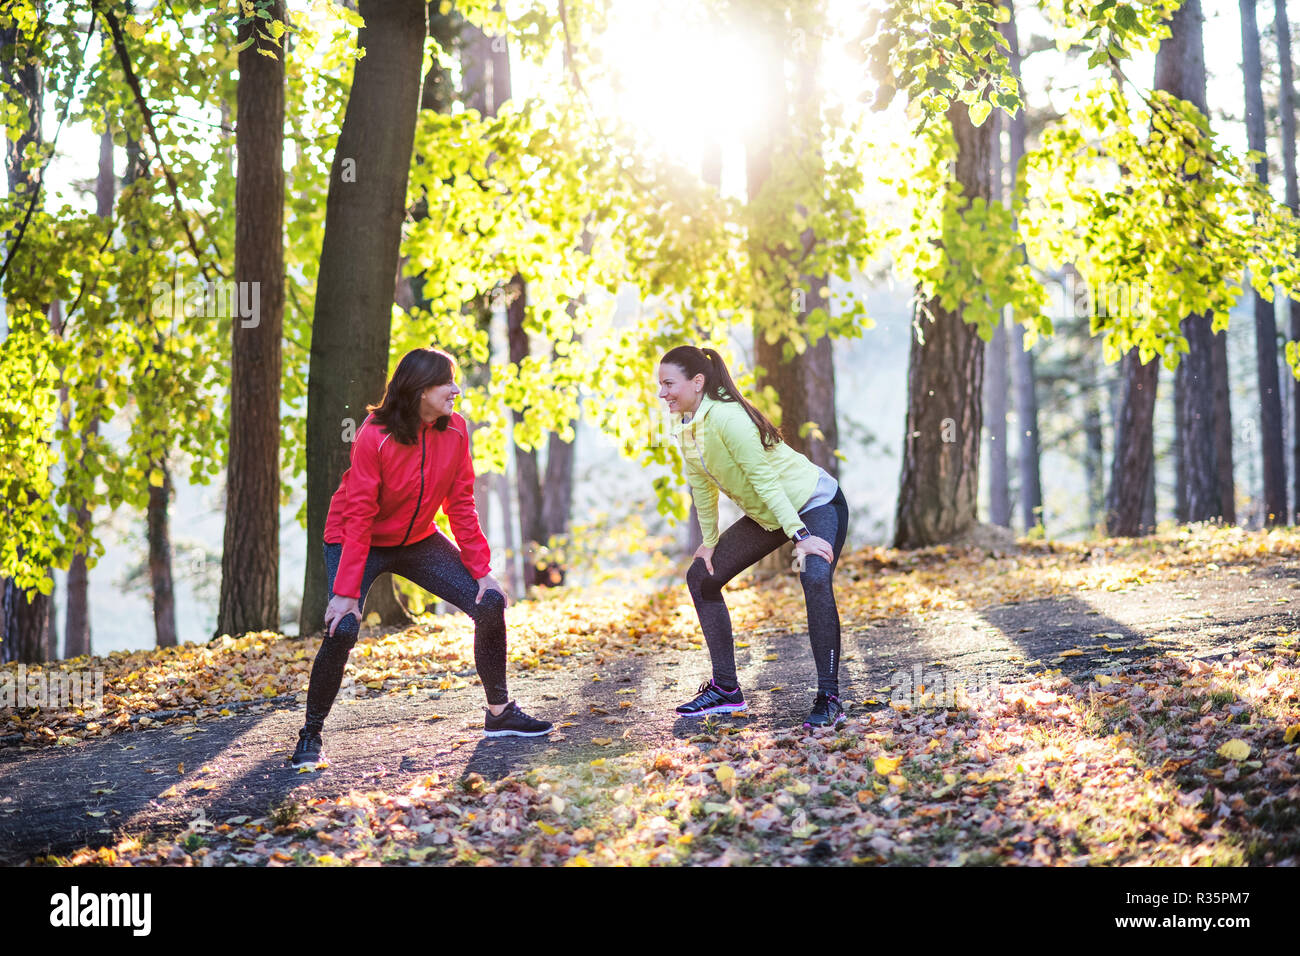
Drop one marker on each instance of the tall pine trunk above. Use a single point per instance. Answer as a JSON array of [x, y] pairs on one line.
[[1180, 70], [1134, 460], [76, 641], [1022, 360], [26, 622], [939, 489], [1270, 398], [363, 229], [250, 559], [995, 369], [804, 382], [1286, 108], [436, 94]]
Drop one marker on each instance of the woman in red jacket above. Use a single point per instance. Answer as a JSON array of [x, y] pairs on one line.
[[410, 457]]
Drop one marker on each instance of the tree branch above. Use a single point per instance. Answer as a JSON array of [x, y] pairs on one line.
[[119, 45]]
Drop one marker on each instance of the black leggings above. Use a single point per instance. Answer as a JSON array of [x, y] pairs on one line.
[[744, 544], [435, 565]]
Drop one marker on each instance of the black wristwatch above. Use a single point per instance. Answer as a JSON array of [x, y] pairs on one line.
[[800, 535]]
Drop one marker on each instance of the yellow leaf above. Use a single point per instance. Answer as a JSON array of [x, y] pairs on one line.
[[887, 765], [897, 780], [726, 778], [950, 778], [1103, 680], [1072, 653], [1291, 733], [1236, 749], [598, 762], [799, 788], [601, 741], [547, 828], [769, 657], [134, 27]]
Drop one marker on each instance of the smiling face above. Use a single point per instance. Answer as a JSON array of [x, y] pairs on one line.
[[681, 393], [438, 400]]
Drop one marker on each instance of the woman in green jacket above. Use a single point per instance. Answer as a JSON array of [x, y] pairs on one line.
[[729, 446]]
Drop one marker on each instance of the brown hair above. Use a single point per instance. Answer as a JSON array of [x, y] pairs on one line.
[[719, 386], [398, 412]]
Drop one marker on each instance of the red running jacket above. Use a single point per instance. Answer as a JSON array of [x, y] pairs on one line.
[[392, 492]]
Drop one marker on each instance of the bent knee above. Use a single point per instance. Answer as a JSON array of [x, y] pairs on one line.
[[491, 607], [698, 577], [816, 574], [345, 635]]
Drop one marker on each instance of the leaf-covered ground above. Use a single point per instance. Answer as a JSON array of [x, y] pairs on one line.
[[1172, 759]]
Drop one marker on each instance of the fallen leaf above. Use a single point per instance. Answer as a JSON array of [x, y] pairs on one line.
[[887, 765], [1236, 749]]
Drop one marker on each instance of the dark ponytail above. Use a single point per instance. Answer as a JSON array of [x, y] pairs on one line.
[[719, 386]]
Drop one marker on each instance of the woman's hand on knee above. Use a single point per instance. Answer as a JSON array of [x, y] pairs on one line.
[[489, 583], [339, 608], [815, 545], [706, 553]]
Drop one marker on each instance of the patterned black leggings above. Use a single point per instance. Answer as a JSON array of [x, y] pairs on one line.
[[745, 543], [435, 565]]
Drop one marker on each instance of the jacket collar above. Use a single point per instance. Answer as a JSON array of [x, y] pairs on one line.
[[706, 403]]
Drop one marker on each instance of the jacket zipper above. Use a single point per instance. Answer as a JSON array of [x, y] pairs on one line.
[[420, 499], [706, 467]]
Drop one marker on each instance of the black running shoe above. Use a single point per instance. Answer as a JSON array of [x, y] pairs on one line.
[[513, 722], [712, 699], [308, 751], [826, 712]]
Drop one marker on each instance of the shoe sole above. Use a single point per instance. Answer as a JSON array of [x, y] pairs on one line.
[[517, 733], [314, 764], [842, 718], [719, 709]]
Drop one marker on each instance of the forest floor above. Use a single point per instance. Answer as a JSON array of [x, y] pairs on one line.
[[1042, 704]]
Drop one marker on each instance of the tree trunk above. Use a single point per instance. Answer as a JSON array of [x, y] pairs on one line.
[[1180, 70], [1286, 107], [995, 368], [437, 94], [250, 559], [528, 481], [26, 623], [1022, 361], [940, 483], [354, 294], [1134, 459], [1270, 398], [160, 560], [804, 383], [1094, 459], [1223, 429], [76, 640]]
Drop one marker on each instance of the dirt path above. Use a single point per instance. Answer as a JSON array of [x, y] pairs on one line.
[[56, 799]]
